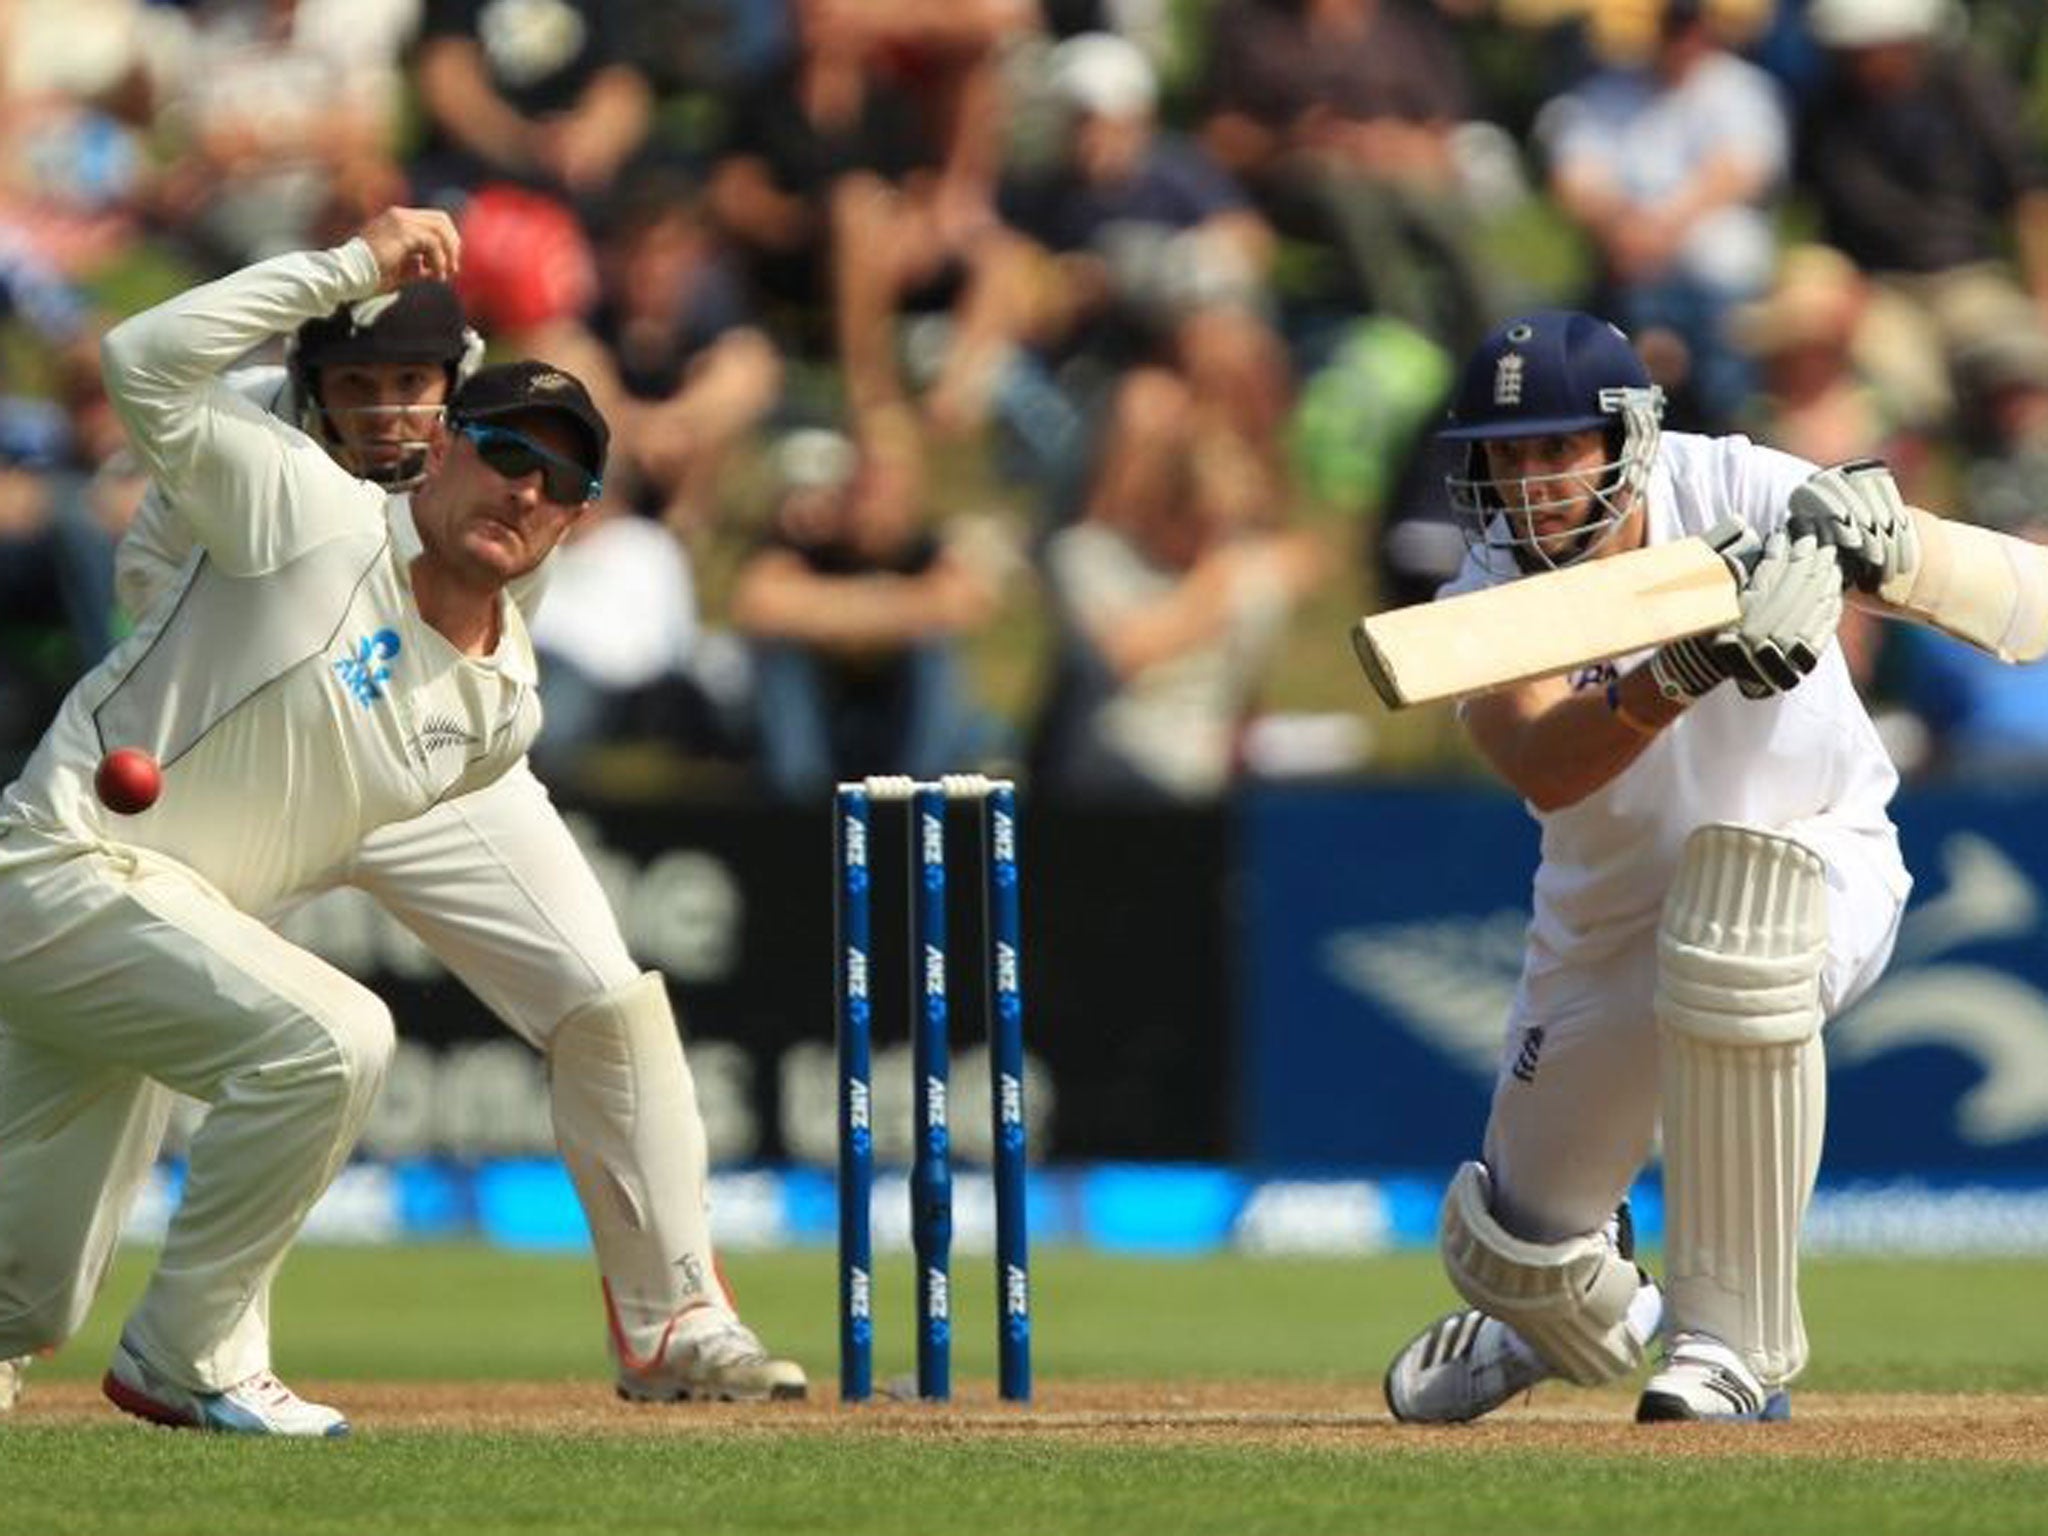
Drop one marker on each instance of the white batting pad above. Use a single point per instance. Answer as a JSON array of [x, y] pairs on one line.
[[627, 1121], [1740, 953], [1570, 1300]]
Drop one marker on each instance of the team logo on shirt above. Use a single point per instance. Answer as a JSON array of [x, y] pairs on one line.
[[438, 733], [365, 671]]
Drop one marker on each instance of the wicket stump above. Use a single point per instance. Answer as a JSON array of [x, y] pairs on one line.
[[931, 1180]]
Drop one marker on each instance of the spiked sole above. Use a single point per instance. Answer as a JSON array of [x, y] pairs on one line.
[[781, 1392]]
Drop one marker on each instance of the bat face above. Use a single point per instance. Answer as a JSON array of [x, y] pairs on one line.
[[1539, 625]]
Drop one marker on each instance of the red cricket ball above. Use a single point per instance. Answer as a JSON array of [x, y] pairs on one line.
[[128, 781]]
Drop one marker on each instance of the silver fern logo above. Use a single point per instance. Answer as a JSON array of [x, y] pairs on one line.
[[1449, 981], [1992, 1016], [438, 733]]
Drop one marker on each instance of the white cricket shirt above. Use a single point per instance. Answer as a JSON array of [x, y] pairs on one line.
[[1807, 755], [286, 682]]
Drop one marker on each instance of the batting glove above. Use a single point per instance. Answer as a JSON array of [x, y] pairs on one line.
[[1858, 508], [1686, 670], [1791, 603]]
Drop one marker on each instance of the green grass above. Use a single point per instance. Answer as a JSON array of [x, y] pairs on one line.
[[434, 1313], [479, 1485], [466, 1313]]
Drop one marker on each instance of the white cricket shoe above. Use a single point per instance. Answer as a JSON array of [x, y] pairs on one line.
[[711, 1355], [10, 1381], [1703, 1379], [1459, 1368], [260, 1405]]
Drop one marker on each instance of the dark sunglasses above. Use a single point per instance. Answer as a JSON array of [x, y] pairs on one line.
[[515, 456]]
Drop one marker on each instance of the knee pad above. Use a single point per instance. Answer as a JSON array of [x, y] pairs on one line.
[[1743, 940], [1740, 953], [1569, 1300]]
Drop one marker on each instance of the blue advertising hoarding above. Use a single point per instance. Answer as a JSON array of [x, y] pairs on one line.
[[1383, 933]]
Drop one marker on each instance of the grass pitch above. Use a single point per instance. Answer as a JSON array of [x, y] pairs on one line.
[[1232, 1395]]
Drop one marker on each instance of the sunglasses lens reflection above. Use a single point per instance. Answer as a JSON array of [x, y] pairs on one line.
[[514, 457]]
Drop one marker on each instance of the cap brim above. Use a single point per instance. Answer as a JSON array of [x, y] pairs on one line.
[[1534, 426]]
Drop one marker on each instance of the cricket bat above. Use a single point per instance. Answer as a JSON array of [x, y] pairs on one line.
[[1985, 588], [1544, 624]]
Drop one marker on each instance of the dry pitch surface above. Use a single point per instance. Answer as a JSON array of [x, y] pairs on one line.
[[1990, 1428]]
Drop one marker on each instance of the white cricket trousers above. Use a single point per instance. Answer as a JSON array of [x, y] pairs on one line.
[[495, 886], [122, 975], [1576, 1100]]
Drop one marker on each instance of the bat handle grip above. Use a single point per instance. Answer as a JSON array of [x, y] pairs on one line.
[[1736, 543]]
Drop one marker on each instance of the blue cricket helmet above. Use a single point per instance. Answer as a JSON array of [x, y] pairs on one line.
[[1552, 371], [1540, 373]]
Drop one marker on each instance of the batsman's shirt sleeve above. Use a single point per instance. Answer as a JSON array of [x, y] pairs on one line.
[[253, 490]]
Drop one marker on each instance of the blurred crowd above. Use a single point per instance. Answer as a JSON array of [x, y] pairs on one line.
[[1087, 344]]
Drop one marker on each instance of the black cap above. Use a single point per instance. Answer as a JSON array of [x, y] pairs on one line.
[[532, 389], [422, 322]]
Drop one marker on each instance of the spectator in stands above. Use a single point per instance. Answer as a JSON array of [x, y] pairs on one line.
[[45, 632], [76, 95], [285, 114], [1919, 158], [1815, 399], [669, 351], [1168, 605], [542, 94], [602, 680], [856, 607], [859, 175], [56, 560], [1138, 248], [1340, 116], [1671, 170], [68, 489]]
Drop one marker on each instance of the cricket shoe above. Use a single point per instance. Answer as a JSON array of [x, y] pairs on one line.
[[710, 1355], [1460, 1368], [10, 1381], [1703, 1379], [259, 1405]]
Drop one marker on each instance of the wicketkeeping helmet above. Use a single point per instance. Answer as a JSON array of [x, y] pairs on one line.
[[1555, 371], [422, 322]]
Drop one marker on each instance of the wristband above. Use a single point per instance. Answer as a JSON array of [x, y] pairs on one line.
[[1621, 712]]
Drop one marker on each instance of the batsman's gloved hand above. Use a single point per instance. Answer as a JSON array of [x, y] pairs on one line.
[[1858, 507], [1686, 670], [1791, 601]]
